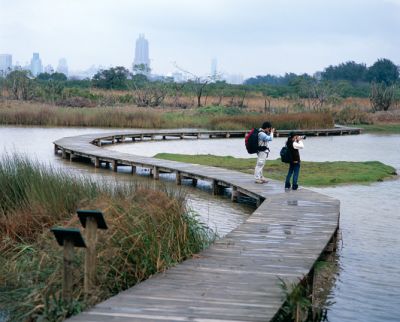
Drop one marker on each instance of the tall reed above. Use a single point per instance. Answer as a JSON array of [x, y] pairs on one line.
[[279, 121], [149, 230], [218, 118]]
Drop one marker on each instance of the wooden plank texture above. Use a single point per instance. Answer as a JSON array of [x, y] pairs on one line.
[[237, 278]]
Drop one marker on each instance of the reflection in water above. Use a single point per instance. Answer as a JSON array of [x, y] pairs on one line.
[[368, 284]]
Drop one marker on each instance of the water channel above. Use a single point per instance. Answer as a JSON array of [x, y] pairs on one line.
[[367, 287]]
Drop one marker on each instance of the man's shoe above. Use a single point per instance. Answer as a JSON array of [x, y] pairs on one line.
[[295, 187], [259, 181], [264, 180]]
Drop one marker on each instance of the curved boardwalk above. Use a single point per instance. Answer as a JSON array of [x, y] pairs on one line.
[[236, 279]]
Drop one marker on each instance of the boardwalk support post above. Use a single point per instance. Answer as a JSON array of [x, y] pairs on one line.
[[216, 188], [178, 178], [235, 194], [96, 162], [156, 173], [91, 220], [133, 169], [68, 238], [115, 165]]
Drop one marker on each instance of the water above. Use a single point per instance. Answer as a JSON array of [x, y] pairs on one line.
[[219, 213], [367, 287]]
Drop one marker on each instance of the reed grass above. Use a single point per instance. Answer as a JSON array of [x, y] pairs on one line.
[[279, 121], [148, 231], [218, 118]]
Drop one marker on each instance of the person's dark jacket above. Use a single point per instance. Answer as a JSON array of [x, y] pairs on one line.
[[293, 152]]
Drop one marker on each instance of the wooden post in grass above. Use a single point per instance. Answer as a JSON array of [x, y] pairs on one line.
[[91, 220], [68, 238]]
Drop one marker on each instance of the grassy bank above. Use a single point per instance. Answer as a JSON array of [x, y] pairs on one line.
[[381, 128], [312, 173], [211, 117], [149, 230]]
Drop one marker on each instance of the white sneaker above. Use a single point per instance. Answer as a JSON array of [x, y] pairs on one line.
[[259, 181]]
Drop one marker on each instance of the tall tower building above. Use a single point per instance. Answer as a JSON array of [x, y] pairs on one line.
[[62, 66], [142, 55], [36, 65], [5, 64]]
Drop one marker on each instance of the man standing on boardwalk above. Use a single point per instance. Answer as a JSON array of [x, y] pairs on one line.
[[265, 135]]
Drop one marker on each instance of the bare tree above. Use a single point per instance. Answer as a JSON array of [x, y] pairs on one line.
[[178, 89], [150, 95], [198, 83], [267, 103]]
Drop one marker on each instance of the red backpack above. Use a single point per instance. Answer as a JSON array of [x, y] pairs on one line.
[[251, 141]]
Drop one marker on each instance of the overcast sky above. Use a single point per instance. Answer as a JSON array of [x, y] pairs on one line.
[[250, 37]]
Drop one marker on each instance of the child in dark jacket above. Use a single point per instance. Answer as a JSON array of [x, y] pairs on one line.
[[294, 143]]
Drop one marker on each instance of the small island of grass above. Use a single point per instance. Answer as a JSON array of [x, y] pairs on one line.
[[317, 174]]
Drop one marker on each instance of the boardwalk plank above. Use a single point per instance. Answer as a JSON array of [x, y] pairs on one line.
[[236, 279]]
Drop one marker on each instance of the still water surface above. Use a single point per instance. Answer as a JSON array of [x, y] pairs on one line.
[[368, 284], [367, 287]]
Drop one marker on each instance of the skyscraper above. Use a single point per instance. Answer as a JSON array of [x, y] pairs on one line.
[[5, 64], [36, 65], [62, 66], [142, 56]]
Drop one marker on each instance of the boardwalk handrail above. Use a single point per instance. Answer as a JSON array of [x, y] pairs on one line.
[[282, 238]]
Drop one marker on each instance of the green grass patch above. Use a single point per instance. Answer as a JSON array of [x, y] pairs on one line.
[[311, 173], [381, 128]]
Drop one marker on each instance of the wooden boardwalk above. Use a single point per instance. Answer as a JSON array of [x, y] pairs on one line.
[[237, 278]]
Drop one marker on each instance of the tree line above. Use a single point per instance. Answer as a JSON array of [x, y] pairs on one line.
[[377, 82], [382, 71]]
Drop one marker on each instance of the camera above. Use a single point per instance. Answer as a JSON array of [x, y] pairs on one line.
[[302, 137]]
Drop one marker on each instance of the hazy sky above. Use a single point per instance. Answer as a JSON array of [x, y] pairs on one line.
[[251, 37]]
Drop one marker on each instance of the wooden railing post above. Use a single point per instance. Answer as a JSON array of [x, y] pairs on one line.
[[68, 238], [91, 220]]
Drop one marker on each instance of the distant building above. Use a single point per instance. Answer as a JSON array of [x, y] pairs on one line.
[[62, 66], [85, 74], [318, 75], [235, 79], [178, 77], [141, 59], [36, 65], [5, 64]]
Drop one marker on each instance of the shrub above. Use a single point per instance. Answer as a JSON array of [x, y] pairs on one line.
[[352, 115]]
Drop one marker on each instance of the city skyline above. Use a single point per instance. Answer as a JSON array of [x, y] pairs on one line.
[[249, 38]]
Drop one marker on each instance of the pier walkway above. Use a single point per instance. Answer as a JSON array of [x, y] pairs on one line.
[[237, 278]]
